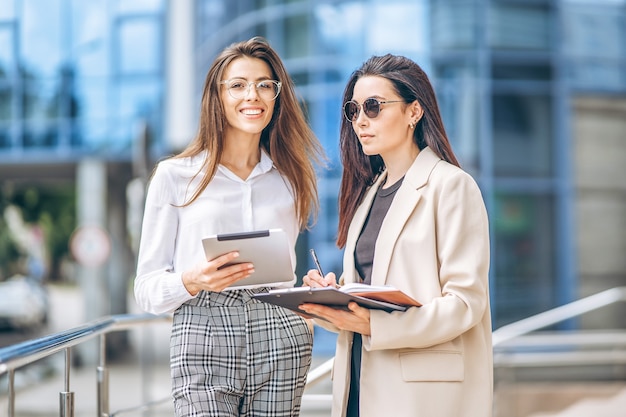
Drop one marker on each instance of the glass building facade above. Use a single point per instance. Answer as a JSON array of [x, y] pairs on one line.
[[75, 77]]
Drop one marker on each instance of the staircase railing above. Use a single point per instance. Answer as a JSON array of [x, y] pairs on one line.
[[520, 344], [25, 353]]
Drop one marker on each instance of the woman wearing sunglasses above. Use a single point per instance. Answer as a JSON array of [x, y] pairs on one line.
[[250, 167], [409, 217]]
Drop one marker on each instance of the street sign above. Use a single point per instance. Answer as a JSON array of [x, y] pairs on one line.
[[90, 246]]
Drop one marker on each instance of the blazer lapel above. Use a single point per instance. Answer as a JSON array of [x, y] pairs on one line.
[[406, 199]]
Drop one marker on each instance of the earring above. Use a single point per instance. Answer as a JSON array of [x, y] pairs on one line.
[[412, 125]]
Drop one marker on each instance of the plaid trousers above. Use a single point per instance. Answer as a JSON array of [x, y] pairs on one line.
[[234, 356]]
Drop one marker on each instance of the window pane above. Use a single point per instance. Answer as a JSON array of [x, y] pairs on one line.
[[395, 23], [296, 44], [7, 60], [39, 97], [340, 28], [90, 37], [598, 60], [95, 120], [5, 133], [521, 71], [41, 36], [519, 27], [521, 135], [457, 94], [454, 25], [7, 11], [139, 47], [325, 115], [136, 100], [139, 6], [41, 111], [524, 255], [6, 96], [593, 31]]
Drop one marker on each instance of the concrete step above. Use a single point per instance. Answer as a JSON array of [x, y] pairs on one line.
[[614, 406], [548, 399]]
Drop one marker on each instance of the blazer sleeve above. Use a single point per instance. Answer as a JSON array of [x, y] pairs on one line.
[[453, 278]]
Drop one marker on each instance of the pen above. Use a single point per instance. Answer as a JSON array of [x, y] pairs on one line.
[[317, 262]]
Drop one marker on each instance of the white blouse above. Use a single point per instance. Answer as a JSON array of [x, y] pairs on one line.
[[171, 237]]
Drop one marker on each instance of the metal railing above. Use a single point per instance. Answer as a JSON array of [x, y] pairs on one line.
[[21, 354], [559, 314], [25, 353], [520, 345]]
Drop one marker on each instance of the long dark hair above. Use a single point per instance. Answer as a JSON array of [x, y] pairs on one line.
[[288, 139], [360, 170]]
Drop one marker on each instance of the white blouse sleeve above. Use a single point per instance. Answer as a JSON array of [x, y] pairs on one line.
[[158, 288]]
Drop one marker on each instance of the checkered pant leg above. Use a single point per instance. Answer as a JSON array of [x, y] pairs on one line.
[[232, 355]]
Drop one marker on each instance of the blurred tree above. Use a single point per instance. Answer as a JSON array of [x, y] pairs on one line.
[[10, 255], [53, 211]]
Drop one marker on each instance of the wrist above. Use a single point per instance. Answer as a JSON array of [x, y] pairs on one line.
[[188, 283]]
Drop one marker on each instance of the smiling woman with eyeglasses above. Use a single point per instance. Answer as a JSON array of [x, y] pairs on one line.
[[249, 168], [411, 218]]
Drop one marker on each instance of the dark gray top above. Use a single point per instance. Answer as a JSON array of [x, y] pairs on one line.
[[363, 259], [364, 253]]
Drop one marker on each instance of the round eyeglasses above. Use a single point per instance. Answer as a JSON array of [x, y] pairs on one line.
[[371, 108], [239, 88]]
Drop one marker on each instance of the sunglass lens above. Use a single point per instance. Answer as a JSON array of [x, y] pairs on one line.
[[371, 107], [351, 110]]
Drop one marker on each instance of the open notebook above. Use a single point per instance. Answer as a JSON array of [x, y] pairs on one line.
[[374, 297]]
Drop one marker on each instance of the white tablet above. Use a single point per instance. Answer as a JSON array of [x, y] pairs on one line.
[[268, 250]]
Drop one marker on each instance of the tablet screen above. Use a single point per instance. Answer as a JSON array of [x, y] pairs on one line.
[[268, 250]]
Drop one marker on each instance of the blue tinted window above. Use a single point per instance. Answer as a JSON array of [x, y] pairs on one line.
[[137, 6], [7, 11], [139, 46], [91, 37], [524, 256], [7, 60], [522, 135], [514, 26], [43, 36]]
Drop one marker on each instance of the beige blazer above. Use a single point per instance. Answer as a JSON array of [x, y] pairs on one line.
[[436, 360]]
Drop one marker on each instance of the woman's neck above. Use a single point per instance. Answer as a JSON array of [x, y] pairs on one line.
[[241, 156], [398, 164]]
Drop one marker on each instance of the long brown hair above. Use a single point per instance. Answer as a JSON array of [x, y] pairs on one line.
[[360, 171], [288, 139]]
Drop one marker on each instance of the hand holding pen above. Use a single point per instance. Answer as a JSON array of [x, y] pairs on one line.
[[316, 277]]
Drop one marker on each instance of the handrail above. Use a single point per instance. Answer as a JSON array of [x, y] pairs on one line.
[[558, 314], [318, 374], [27, 352], [21, 354]]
